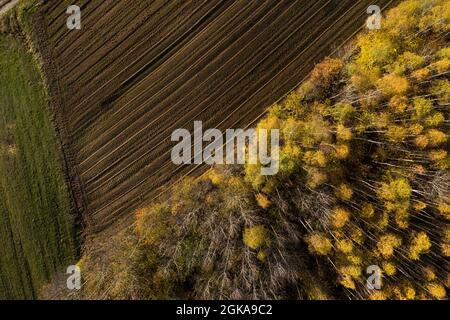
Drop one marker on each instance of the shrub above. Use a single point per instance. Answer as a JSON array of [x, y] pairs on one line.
[[404, 18], [437, 155], [344, 192], [339, 217], [421, 74], [436, 137], [386, 245], [321, 78], [318, 243], [422, 107], [315, 178], [378, 295], [406, 63], [398, 103], [315, 158], [345, 245], [444, 53], [441, 66], [420, 243], [262, 255], [391, 85], [415, 129], [152, 223], [343, 133], [389, 268], [290, 156], [441, 90], [445, 249], [348, 275], [262, 201], [421, 141], [367, 210], [342, 151], [314, 130], [256, 237], [435, 119], [396, 133], [397, 189], [343, 112], [436, 290], [376, 50], [364, 79], [444, 209]]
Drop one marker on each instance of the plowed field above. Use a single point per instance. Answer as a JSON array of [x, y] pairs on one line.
[[138, 70]]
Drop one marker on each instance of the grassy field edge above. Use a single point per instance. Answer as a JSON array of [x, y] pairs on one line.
[[38, 207]]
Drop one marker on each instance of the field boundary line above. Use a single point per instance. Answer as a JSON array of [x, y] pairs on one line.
[[50, 70]]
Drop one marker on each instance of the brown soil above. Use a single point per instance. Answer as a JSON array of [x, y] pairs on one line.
[[139, 70]]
